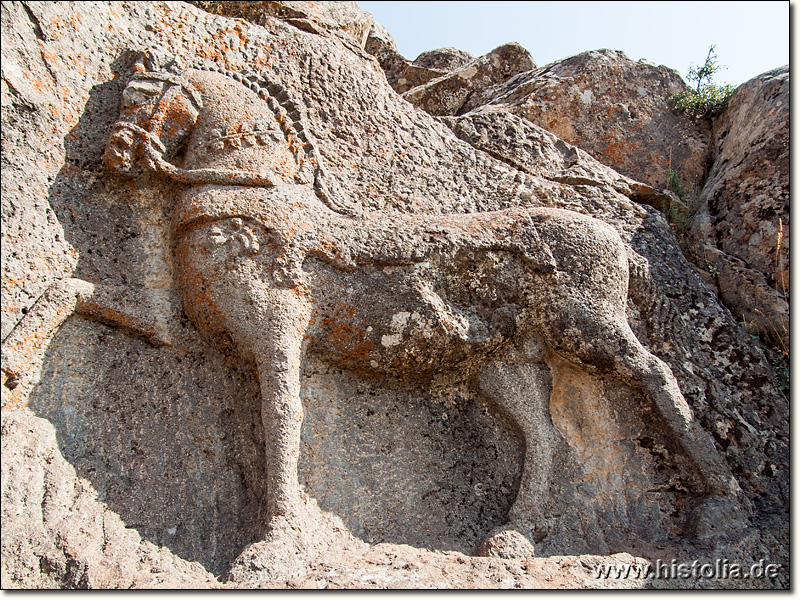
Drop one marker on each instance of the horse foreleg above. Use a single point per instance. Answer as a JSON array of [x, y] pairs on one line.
[[278, 358], [277, 347]]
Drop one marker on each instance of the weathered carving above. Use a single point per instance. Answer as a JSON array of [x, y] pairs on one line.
[[271, 267]]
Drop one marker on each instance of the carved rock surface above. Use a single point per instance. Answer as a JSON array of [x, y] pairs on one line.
[[613, 108], [166, 428], [531, 149], [341, 18], [742, 229], [58, 534]]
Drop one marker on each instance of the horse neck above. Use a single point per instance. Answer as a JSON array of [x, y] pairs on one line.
[[237, 129], [253, 96]]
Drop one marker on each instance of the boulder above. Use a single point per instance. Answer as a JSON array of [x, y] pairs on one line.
[[443, 59], [446, 95], [741, 231], [613, 108], [401, 73], [382, 46], [404, 75]]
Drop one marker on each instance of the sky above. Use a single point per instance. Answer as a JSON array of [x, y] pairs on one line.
[[750, 37]]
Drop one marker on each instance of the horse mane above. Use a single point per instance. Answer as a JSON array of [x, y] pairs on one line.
[[289, 112]]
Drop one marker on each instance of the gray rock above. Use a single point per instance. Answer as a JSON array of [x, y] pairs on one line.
[[401, 73], [56, 532], [447, 95], [613, 108], [444, 59], [741, 231], [324, 17], [531, 149]]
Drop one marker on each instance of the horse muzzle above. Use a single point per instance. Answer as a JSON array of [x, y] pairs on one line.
[[120, 152]]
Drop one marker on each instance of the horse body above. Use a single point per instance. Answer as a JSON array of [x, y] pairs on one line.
[[270, 270]]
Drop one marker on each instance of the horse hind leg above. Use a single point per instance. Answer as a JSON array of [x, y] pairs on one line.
[[613, 348], [520, 387]]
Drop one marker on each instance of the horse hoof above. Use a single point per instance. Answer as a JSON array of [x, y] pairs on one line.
[[506, 542], [282, 555], [265, 562], [717, 517]]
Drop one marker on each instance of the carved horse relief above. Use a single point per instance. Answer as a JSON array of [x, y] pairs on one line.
[[272, 268]]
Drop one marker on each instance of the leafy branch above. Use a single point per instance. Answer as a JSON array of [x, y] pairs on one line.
[[707, 99]]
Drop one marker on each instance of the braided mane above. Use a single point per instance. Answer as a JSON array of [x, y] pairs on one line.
[[289, 113]]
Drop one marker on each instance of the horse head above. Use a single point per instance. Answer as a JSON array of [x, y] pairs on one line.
[[159, 108]]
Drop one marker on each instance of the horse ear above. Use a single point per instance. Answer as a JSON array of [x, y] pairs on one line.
[[139, 66], [152, 61], [174, 66], [156, 60]]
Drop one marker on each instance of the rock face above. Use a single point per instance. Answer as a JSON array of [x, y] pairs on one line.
[[742, 229], [444, 59], [446, 95], [340, 18], [403, 74], [613, 108], [58, 534], [267, 324]]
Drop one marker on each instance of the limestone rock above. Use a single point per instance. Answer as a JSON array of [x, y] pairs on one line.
[[404, 75], [382, 46], [742, 229], [401, 472], [613, 108], [531, 149], [410, 76], [446, 95]]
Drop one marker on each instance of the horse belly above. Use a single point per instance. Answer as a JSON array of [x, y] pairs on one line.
[[385, 321]]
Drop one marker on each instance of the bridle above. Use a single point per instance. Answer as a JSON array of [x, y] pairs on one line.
[[155, 149]]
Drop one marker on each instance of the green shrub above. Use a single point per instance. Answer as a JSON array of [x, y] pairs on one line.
[[707, 99], [683, 206], [708, 102]]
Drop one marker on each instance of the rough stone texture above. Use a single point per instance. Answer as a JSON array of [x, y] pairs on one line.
[[340, 18], [444, 59], [447, 95], [533, 150], [57, 533], [741, 231], [382, 46], [613, 108], [404, 75], [167, 428]]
